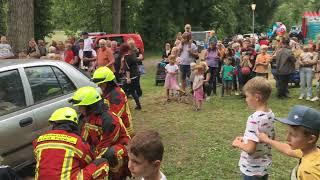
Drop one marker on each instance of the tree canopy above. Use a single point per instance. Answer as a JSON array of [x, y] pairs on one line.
[[159, 21]]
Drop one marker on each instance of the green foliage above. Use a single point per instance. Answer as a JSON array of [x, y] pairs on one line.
[[130, 15], [290, 12], [43, 25], [227, 17], [3, 16], [92, 15]]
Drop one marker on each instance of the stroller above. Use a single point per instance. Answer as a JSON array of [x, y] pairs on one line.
[[161, 72]]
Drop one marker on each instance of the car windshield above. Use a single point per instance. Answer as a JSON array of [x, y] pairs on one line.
[[199, 36]]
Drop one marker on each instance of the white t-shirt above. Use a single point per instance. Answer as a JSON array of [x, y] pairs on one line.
[[163, 177], [5, 51], [171, 68], [185, 56], [87, 44], [257, 163]]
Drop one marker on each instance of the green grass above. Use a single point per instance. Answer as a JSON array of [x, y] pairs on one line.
[[198, 144]]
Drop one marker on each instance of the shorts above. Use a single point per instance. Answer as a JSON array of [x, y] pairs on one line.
[[227, 84], [185, 71], [87, 54]]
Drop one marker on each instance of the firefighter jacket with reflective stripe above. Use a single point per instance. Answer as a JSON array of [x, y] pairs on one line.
[[64, 155], [103, 129], [117, 102]]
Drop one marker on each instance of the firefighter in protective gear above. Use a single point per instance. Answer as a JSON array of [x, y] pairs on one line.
[[62, 154], [103, 130], [114, 97]]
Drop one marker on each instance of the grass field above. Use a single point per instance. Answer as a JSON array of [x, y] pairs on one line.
[[198, 144]]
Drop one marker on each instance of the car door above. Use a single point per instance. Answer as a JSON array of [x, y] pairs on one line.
[[17, 122], [51, 89]]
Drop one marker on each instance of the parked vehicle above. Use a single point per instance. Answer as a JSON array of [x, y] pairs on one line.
[[29, 92], [121, 38]]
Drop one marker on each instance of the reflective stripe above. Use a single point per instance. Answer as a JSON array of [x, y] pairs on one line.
[[122, 125], [116, 137], [38, 158], [80, 175], [128, 112], [98, 172], [88, 127], [68, 159], [121, 111], [59, 146], [102, 152], [106, 102], [58, 137], [67, 165], [87, 159]]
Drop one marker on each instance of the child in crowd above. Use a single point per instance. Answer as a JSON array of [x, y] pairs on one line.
[[175, 53], [303, 133], [145, 153], [256, 156], [171, 82], [192, 73], [51, 52], [245, 71], [206, 76], [88, 44], [197, 87], [226, 74]]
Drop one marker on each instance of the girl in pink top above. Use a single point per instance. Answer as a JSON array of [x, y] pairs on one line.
[[171, 82]]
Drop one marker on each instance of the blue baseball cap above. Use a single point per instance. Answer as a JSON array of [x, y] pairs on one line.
[[303, 116]]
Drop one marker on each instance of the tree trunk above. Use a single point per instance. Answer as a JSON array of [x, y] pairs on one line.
[[124, 25], [116, 16], [3, 24], [20, 24]]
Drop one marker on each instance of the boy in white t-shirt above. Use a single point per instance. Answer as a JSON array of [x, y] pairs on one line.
[[256, 156], [88, 44], [145, 156]]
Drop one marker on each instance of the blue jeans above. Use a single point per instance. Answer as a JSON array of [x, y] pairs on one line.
[[245, 177], [306, 76]]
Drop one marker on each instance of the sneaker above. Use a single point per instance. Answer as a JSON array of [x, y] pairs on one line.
[[208, 99], [308, 98], [301, 97], [315, 99], [236, 93]]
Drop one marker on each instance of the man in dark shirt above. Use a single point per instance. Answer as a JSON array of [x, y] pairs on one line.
[[285, 64], [130, 68]]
